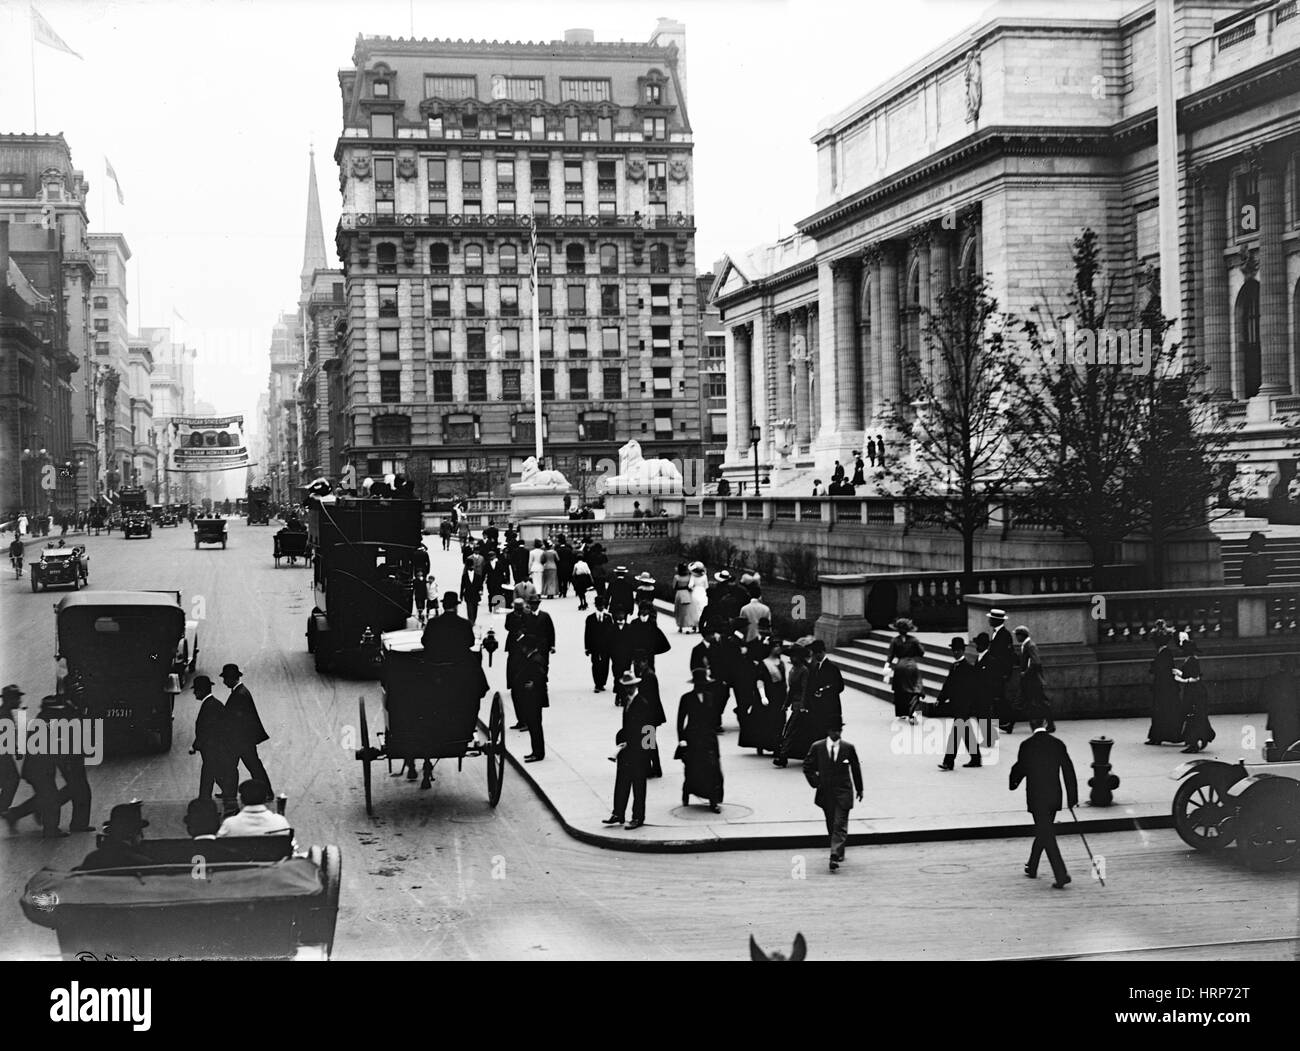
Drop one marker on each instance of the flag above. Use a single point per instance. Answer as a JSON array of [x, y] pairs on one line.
[[532, 251], [108, 165], [179, 316], [43, 33]]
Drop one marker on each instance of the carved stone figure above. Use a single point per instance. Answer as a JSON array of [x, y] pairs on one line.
[[974, 85], [677, 171], [406, 168], [636, 170], [636, 474], [361, 167], [533, 477]]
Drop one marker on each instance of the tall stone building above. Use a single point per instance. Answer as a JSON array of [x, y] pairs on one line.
[[282, 408], [448, 149], [46, 455], [990, 155], [171, 390], [111, 383]]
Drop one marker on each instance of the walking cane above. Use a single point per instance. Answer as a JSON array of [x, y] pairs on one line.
[[1093, 860]]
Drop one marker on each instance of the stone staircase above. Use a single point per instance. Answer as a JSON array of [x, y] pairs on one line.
[[862, 661], [1284, 550]]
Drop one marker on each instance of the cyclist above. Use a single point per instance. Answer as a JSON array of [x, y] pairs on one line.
[[16, 552]]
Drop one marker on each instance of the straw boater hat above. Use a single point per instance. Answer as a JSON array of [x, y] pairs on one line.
[[645, 578], [722, 577], [628, 678], [997, 616], [621, 570]]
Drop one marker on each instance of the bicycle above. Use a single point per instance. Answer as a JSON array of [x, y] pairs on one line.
[[17, 562]]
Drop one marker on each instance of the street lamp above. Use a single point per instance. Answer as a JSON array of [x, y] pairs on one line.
[[755, 435]]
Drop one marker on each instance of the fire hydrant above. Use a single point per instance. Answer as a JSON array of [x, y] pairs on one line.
[[1102, 782], [490, 644]]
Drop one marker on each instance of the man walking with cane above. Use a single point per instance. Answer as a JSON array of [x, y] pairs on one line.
[[1042, 763]]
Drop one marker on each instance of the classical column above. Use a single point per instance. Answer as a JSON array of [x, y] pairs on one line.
[[1215, 350], [781, 366], [799, 378], [921, 245], [891, 373], [814, 365], [742, 370], [871, 259], [940, 282], [848, 378], [1275, 366]]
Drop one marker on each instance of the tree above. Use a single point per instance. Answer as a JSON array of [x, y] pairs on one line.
[[419, 472], [961, 428]]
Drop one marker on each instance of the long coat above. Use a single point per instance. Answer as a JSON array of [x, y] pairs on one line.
[[695, 729], [835, 782], [248, 728], [959, 696]]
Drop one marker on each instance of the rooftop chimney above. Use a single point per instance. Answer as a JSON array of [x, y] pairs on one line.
[[579, 36]]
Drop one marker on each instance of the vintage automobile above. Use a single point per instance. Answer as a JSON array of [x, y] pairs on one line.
[[123, 656], [209, 531], [259, 505], [167, 517], [137, 523], [292, 544], [257, 898], [58, 567], [431, 712], [1255, 805]]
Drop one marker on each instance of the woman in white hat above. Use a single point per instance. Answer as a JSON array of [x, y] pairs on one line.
[[699, 589], [682, 598]]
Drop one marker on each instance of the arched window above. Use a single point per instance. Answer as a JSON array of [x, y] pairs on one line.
[[386, 255], [439, 258], [966, 269], [1248, 359], [543, 259], [609, 259], [912, 326], [508, 259], [659, 258], [473, 259], [575, 257]]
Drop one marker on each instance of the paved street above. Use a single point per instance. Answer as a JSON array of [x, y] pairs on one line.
[[440, 875]]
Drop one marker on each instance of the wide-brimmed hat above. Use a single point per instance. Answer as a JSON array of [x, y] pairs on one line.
[[997, 616], [11, 690], [645, 578], [902, 625], [231, 669], [126, 817], [722, 576], [696, 567], [628, 678]]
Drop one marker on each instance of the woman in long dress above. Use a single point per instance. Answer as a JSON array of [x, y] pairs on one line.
[[682, 598], [1197, 731], [1166, 707], [699, 588], [905, 679], [767, 718], [535, 567], [799, 732], [550, 572], [697, 743]]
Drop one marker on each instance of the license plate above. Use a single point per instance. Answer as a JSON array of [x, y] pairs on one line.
[[118, 713]]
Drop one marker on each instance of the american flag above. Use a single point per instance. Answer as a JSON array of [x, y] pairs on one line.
[[532, 253]]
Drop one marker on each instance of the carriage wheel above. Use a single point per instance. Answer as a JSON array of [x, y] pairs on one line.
[[1200, 810], [365, 759], [1268, 824], [496, 754]]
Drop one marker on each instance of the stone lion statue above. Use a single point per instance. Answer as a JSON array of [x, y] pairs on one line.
[[533, 477], [634, 467]]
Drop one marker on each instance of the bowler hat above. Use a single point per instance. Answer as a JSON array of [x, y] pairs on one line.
[[817, 646], [55, 703], [835, 723], [126, 817], [450, 598], [201, 680], [701, 674], [231, 669], [11, 690]]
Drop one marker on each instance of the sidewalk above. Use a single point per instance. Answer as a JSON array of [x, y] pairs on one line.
[[906, 797]]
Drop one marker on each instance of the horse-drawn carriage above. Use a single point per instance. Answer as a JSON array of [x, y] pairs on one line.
[[1255, 805], [234, 897], [431, 712], [209, 531], [292, 544]]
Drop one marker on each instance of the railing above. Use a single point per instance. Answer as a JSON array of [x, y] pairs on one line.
[[1219, 613], [605, 529], [410, 220], [1251, 41]]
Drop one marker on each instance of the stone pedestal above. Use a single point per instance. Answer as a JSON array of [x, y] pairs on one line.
[[843, 616], [539, 503]]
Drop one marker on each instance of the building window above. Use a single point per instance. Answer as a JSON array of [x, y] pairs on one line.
[[577, 342], [537, 126], [472, 209], [388, 344], [101, 302], [101, 324], [659, 210], [379, 89], [613, 384], [577, 299], [386, 259], [436, 87], [438, 173], [478, 385], [605, 129], [510, 386], [509, 300], [390, 386], [548, 383], [505, 126], [1248, 346], [439, 301], [441, 345], [573, 207], [610, 342], [663, 423], [654, 94], [438, 207], [539, 174], [715, 347], [101, 347], [574, 89], [476, 344], [506, 208], [439, 258], [473, 259], [573, 177], [442, 385], [543, 258], [392, 430], [384, 177], [659, 300], [508, 259], [575, 258], [655, 129], [1248, 204], [471, 174], [546, 342], [11, 188], [545, 305], [606, 181], [469, 125], [577, 384], [387, 298], [663, 382], [435, 128], [506, 175], [659, 258], [571, 129], [460, 428], [715, 384], [609, 259], [596, 427], [661, 337], [510, 342], [657, 176], [381, 126]]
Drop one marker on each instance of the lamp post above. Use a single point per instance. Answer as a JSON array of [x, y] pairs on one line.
[[30, 456], [755, 435]]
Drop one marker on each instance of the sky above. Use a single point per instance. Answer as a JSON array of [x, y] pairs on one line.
[[207, 110]]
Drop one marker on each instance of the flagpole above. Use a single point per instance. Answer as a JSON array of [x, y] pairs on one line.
[[31, 39], [537, 353]]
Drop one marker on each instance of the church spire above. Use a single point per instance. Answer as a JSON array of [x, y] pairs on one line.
[[313, 253]]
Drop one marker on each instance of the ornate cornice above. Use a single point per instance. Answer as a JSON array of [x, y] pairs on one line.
[[551, 49]]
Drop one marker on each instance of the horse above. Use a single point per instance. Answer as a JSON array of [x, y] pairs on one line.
[[797, 953]]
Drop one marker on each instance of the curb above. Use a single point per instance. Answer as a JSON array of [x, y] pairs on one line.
[[818, 841]]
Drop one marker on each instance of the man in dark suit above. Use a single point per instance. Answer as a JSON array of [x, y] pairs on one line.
[[471, 591], [825, 684], [1042, 763], [528, 692], [213, 741], [622, 593], [248, 730], [643, 637], [831, 767], [1001, 662], [634, 740], [958, 698], [984, 697], [448, 636], [598, 640]]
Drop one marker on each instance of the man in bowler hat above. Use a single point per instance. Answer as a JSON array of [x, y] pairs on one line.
[[214, 740], [831, 767], [634, 740], [121, 842], [247, 729], [1042, 763]]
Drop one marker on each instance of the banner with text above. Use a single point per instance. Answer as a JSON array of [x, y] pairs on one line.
[[208, 443]]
